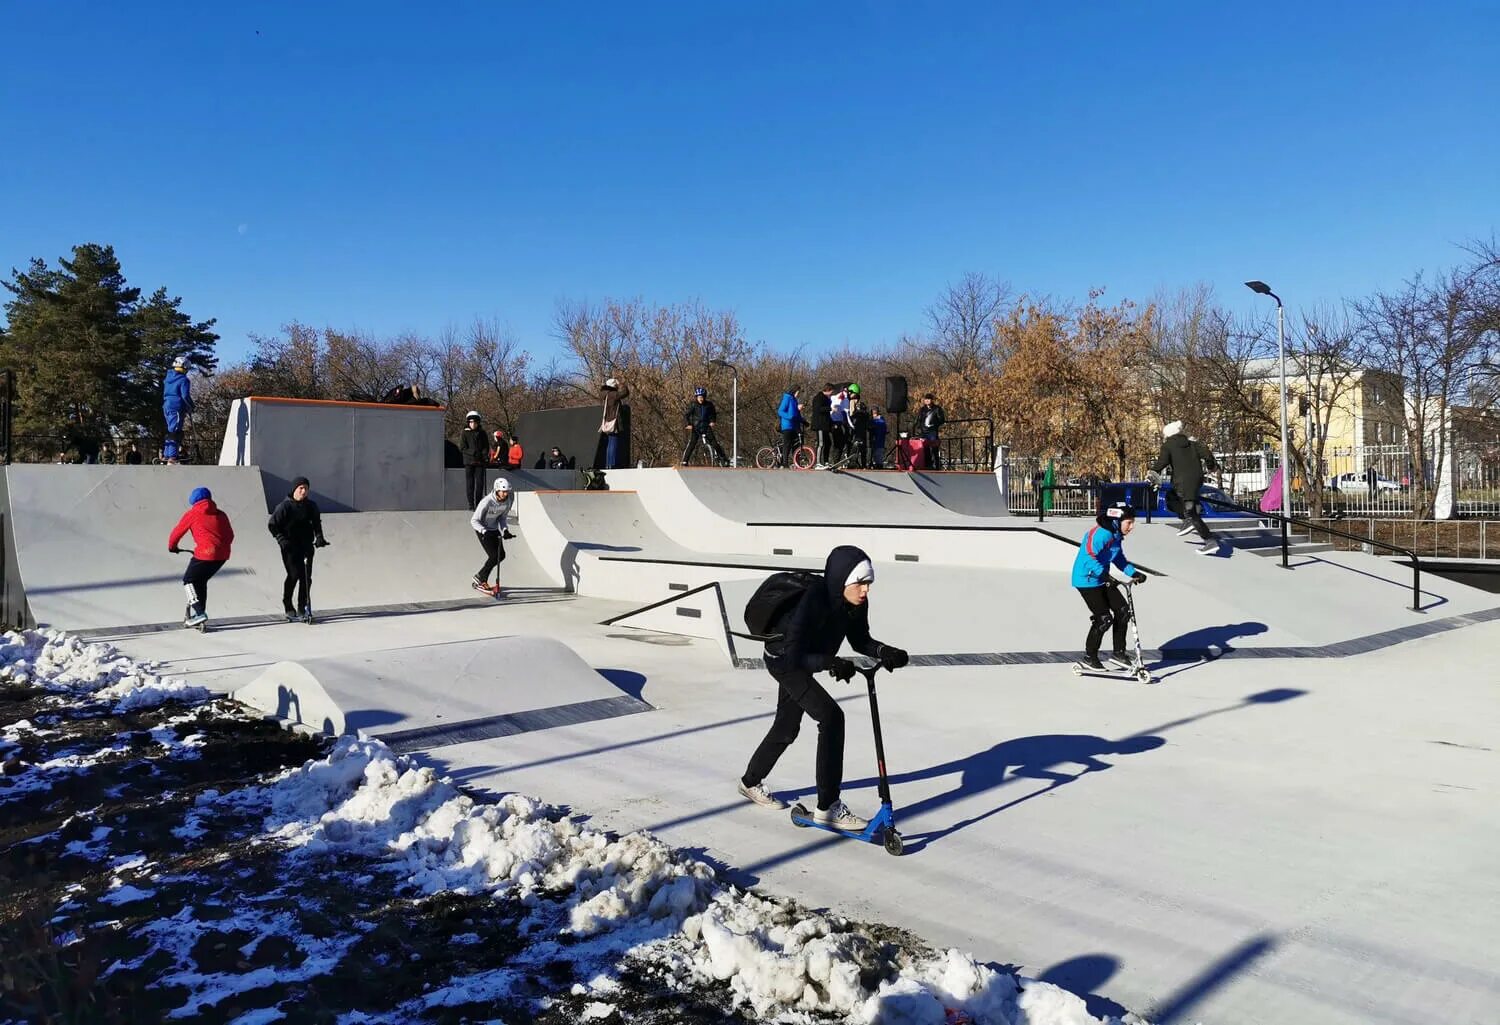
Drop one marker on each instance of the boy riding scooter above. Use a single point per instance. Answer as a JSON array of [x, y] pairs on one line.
[[1102, 548]]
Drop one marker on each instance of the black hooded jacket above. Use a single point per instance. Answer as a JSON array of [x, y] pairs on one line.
[[823, 619], [295, 523], [1187, 458]]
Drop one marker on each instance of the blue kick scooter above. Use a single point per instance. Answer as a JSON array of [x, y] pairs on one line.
[[882, 828]]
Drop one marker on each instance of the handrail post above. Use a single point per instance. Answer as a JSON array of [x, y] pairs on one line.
[[1416, 584], [1040, 517], [1284, 544]]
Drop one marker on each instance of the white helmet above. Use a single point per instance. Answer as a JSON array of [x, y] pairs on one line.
[[501, 484], [610, 382], [472, 414]]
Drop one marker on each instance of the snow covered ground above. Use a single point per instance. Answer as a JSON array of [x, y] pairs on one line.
[[169, 856]]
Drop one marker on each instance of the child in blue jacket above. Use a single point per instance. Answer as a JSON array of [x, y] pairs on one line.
[[1102, 547]]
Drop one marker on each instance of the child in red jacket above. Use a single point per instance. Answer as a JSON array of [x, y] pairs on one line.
[[212, 536]]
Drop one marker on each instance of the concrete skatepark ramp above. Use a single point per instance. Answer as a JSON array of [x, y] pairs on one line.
[[90, 550], [436, 695]]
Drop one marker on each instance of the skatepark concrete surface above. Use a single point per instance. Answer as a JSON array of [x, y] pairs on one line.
[[1297, 823]]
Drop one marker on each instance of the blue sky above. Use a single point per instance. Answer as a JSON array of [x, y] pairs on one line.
[[822, 169]]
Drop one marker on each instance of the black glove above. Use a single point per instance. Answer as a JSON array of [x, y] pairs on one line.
[[893, 658], [841, 669], [321, 542], [174, 550], [1139, 578], [507, 535]]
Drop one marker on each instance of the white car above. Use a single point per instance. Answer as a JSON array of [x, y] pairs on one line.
[[1358, 482]]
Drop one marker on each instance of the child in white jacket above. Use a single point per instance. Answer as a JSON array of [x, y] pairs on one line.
[[491, 525]]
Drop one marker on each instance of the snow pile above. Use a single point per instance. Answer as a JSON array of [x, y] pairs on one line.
[[595, 899], [59, 662]]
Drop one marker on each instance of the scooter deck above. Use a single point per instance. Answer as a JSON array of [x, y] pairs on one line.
[[880, 830], [1140, 673]]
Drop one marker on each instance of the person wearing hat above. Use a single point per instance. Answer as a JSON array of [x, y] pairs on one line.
[[930, 420], [499, 450], [297, 526], [491, 525], [475, 448], [1188, 459], [834, 609], [212, 536], [176, 405], [700, 419], [611, 395], [515, 455], [1103, 548], [859, 428]]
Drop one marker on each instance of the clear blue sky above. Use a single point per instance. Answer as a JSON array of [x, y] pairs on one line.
[[822, 169]]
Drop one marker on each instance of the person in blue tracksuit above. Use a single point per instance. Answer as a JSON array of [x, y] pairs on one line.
[[176, 404], [791, 424], [1103, 548]]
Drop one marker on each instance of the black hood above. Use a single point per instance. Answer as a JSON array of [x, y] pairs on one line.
[[841, 562], [297, 484]]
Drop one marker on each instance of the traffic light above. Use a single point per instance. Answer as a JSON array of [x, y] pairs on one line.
[[1302, 405]]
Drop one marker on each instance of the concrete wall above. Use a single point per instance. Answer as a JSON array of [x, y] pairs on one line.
[[359, 456], [520, 480]]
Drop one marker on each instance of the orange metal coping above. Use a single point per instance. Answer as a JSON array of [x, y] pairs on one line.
[[341, 402]]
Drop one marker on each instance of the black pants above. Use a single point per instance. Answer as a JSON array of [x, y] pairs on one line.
[[798, 693], [195, 583], [825, 443], [840, 441], [298, 561], [934, 456], [706, 434], [789, 446], [1191, 514], [494, 554], [1108, 607], [474, 485], [860, 444]]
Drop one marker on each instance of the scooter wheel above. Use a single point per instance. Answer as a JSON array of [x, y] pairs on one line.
[[1144, 676], [800, 816], [1077, 669], [893, 843]]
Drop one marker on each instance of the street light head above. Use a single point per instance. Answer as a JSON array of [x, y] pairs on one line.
[[721, 363], [1261, 288]]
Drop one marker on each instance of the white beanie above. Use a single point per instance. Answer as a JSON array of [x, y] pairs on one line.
[[1175, 427], [610, 382], [864, 573]]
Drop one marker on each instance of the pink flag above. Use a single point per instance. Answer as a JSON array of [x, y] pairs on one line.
[[1270, 502]]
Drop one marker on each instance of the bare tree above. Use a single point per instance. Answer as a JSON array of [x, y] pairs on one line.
[[963, 320]]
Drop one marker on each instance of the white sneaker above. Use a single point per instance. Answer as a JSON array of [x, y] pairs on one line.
[[1121, 661], [840, 818], [758, 794], [1187, 528], [1209, 548], [194, 620]]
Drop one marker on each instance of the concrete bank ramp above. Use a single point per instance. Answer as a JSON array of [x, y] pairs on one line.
[[963, 493], [846, 496], [91, 543], [436, 695]]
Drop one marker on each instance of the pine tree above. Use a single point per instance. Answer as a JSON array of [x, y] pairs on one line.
[[89, 355]]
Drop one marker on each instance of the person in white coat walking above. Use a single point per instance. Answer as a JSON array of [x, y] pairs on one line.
[[491, 521]]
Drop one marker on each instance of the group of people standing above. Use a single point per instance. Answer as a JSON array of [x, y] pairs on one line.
[[846, 430]]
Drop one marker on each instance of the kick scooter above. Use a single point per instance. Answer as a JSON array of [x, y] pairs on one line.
[[1138, 667], [882, 828]]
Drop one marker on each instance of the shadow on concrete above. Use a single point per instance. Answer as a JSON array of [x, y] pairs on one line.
[[367, 719], [1177, 1005], [629, 681], [1084, 976], [104, 585], [1403, 585], [1033, 758]]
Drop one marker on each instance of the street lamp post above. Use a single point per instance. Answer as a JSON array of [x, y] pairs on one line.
[[1261, 288], [734, 455]]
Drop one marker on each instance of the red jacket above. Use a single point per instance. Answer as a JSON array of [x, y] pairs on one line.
[[515, 455], [210, 528]]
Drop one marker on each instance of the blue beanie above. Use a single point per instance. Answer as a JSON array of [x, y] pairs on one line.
[[198, 495]]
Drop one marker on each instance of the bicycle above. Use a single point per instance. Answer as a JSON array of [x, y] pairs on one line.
[[768, 457]]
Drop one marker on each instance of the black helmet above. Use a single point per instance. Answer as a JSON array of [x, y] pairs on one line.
[[1113, 515]]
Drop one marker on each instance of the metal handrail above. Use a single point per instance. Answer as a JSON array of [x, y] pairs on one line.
[[1041, 489], [1288, 521]]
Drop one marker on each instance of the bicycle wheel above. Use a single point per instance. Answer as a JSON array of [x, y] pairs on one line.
[[765, 457], [804, 458]]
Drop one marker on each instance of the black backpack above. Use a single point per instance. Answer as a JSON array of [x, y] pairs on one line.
[[774, 600]]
